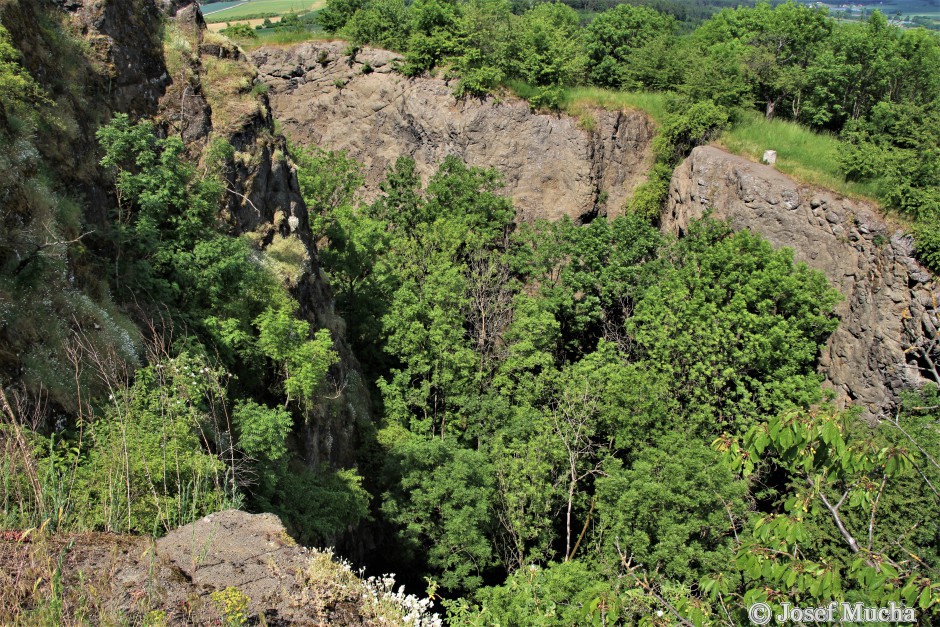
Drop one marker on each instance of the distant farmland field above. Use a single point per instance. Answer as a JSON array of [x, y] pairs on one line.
[[218, 6], [926, 8], [233, 11]]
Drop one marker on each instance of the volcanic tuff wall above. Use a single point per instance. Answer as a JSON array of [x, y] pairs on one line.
[[264, 200], [888, 332], [117, 64], [552, 167]]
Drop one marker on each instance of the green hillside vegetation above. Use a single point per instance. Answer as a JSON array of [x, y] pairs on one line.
[[590, 424], [806, 155]]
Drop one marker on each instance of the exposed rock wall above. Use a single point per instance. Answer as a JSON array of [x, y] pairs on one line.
[[264, 200], [889, 312], [93, 58], [104, 57], [552, 167]]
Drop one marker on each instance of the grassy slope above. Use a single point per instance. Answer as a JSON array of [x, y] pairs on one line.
[[805, 155]]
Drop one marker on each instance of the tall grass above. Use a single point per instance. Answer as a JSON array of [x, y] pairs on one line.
[[576, 100], [802, 153], [278, 37], [156, 456], [651, 103], [806, 155]]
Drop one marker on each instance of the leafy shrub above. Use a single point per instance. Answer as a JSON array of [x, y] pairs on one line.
[[647, 199], [303, 362], [317, 506], [694, 125], [546, 99], [239, 31]]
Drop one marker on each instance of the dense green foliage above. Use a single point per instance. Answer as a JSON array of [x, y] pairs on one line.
[[566, 410], [185, 396], [576, 424]]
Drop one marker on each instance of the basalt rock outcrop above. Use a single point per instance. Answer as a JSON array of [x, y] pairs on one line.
[[264, 201], [154, 59], [552, 165], [887, 337], [108, 578]]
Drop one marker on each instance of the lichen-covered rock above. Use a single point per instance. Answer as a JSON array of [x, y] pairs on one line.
[[285, 583], [889, 312], [552, 166], [234, 549], [185, 577]]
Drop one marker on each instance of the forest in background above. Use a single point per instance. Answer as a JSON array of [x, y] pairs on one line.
[[592, 424]]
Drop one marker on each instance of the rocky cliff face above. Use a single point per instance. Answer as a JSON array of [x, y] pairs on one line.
[[154, 59], [211, 95], [552, 167], [888, 333], [115, 64]]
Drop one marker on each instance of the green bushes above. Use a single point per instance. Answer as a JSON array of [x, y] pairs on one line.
[[538, 381], [687, 127], [230, 367], [682, 128], [152, 456], [239, 31], [149, 466]]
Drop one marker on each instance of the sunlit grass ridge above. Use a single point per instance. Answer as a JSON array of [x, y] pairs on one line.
[[805, 155]]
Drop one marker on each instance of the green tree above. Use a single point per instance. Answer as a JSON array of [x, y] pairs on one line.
[[737, 327], [337, 13], [303, 362], [779, 44], [614, 40], [434, 24], [675, 509], [383, 23], [443, 501], [547, 48], [835, 468]]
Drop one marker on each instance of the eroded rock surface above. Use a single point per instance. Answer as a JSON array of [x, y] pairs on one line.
[[552, 166], [889, 313], [264, 200], [109, 578]]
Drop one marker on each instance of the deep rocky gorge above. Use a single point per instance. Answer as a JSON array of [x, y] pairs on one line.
[[554, 168]]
